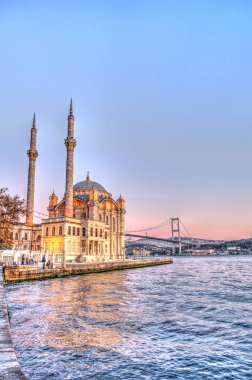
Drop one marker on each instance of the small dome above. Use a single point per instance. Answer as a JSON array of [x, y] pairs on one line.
[[88, 185]]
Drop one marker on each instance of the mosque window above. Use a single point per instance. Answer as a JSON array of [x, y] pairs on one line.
[[53, 231], [96, 232], [60, 230], [73, 230], [78, 231], [47, 231], [91, 231], [69, 230], [101, 233], [83, 231]]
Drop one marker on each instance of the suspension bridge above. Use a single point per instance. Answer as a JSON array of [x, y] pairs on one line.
[[173, 228]]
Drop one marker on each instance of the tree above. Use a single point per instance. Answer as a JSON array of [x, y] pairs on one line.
[[11, 210]]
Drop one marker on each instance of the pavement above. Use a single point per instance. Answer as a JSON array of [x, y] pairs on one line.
[[9, 366]]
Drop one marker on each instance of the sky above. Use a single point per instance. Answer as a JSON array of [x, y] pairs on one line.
[[162, 95]]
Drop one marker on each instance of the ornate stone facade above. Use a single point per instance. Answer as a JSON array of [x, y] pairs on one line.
[[96, 231]]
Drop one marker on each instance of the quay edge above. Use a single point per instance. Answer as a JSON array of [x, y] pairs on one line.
[[27, 273], [9, 366]]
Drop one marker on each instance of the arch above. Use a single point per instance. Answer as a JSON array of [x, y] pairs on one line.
[[109, 204]]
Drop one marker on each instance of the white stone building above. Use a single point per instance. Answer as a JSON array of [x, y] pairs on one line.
[[87, 225]]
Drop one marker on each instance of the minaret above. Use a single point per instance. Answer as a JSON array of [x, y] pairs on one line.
[[32, 154], [70, 144]]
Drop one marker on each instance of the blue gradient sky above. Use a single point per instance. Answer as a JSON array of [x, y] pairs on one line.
[[162, 94]]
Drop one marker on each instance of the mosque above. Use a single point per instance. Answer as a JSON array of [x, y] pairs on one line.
[[87, 225]]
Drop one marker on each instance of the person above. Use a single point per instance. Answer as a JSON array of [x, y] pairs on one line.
[[43, 261], [49, 264]]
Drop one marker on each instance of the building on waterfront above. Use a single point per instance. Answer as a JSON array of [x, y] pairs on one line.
[[87, 225]]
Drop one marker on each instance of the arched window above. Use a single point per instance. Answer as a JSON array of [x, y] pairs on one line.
[[91, 231], [96, 232], [78, 231], [83, 231], [60, 230], [47, 231], [107, 220], [73, 230], [106, 235], [101, 233], [69, 230], [53, 231], [84, 215]]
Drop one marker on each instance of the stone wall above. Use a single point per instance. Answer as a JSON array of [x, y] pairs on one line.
[[26, 273], [9, 366]]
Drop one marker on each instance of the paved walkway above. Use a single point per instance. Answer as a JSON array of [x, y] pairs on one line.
[[9, 366]]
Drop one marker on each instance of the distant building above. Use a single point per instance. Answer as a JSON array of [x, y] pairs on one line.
[[86, 225], [195, 252]]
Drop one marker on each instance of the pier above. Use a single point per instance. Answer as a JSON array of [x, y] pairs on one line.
[[31, 272]]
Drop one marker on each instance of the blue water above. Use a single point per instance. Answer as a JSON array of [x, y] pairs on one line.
[[189, 320]]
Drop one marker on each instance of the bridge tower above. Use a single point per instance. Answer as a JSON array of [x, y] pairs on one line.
[[175, 228]]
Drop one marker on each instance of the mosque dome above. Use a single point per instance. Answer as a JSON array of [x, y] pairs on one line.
[[88, 185]]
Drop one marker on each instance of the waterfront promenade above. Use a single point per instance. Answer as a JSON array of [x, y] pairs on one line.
[[9, 366], [31, 272]]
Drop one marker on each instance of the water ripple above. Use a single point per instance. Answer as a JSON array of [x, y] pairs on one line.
[[188, 321]]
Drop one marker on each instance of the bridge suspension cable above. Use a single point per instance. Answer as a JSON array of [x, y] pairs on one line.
[[186, 230], [165, 223], [39, 213]]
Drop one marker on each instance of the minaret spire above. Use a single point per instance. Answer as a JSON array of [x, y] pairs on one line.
[[70, 144], [71, 107], [32, 154], [34, 121]]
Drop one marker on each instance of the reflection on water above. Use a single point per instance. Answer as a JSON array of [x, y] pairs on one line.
[[189, 320]]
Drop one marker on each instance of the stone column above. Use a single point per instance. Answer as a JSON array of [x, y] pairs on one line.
[[70, 144], [32, 154]]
